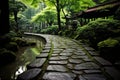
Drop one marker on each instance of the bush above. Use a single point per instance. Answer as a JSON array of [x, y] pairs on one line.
[[6, 56], [50, 30], [108, 43], [117, 14], [20, 42], [12, 46], [99, 30], [109, 49]]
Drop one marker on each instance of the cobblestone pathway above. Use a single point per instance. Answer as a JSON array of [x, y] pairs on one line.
[[66, 59]]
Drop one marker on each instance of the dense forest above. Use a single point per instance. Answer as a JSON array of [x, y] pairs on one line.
[[60, 17]]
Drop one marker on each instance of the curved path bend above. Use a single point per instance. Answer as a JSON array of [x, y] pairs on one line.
[[66, 59]]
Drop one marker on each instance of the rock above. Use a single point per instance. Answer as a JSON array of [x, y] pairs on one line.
[[59, 68], [58, 62], [92, 77], [37, 63], [92, 71], [102, 61], [42, 55], [75, 61], [65, 54], [115, 74], [31, 74], [59, 76], [86, 65]]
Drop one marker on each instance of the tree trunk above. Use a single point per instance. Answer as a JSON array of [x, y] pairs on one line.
[[58, 14], [4, 17]]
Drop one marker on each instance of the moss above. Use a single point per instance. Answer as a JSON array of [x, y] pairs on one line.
[[20, 41], [109, 49], [99, 30], [6, 56], [108, 43]]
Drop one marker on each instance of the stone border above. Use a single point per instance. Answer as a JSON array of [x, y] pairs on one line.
[[34, 69]]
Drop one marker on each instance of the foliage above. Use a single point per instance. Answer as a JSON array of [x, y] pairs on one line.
[[99, 30], [50, 30], [12, 46], [47, 14], [109, 49], [117, 14], [62, 7], [108, 43], [6, 56]]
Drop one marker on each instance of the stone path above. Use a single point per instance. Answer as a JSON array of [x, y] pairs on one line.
[[66, 59]]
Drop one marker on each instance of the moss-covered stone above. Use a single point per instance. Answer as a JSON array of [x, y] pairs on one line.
[[108, 43], [109, 49]]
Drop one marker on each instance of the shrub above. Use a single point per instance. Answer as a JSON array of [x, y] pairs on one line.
[[108, 43], [50, 30], [96, 31], [109, 49], [12, 46], [20, 42], [6, 56], [117, 14]]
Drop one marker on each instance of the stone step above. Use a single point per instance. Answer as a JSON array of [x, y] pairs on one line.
[[37, 63], [31, 74]]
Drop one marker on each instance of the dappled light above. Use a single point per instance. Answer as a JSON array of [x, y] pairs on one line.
[[60, 40]]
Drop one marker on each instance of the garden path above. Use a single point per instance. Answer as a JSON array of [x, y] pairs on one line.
[[67, 59]]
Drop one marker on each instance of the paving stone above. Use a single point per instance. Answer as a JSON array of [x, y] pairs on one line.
[[42, 55], [70, 66], [79, 53], [47, 47], [63, 57], [75, 61], [65, 54], [81, 78], [68, 51], [55, 58], [37, 63], [79, 50], [93, 53], [58, 62], [103, 61], [31, 74], [89, 48], [86, 65], [114, 73], [56, 52], [59, 68], [77, 72], [94, 77], [45, 51], [54, 55], [58, 49], [79, 57], [87, 60], [59, 76], [92, 71]]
